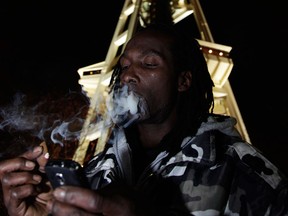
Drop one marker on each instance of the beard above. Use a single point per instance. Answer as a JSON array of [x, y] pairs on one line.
[[126, 107]]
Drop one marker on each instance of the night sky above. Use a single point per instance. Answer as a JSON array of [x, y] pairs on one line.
[[43, 43]]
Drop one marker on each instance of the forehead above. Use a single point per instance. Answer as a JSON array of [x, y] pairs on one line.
[[150, 40]]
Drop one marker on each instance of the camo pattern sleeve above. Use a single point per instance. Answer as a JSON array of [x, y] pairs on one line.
[[217, 176]]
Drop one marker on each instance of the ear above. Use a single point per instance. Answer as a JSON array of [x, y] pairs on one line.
[[184, 81]]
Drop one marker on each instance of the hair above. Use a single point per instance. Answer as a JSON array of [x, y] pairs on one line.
[[195, 104]]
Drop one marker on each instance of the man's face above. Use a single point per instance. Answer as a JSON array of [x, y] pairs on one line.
[[148, 70]]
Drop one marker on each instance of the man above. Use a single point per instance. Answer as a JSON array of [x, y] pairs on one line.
[[167, 154]]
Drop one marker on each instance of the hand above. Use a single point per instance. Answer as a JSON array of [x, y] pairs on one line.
[[24, 190], [71, 200]]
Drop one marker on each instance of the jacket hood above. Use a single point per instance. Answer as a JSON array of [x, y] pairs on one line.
[[202, 148], [224, 124]]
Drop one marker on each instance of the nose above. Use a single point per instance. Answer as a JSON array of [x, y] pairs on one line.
[[128, 76]]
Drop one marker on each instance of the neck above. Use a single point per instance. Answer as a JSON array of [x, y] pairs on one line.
[[151, 134]]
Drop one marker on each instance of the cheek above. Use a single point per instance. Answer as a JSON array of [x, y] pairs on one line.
[[158, 84], [159, 93], [160, 79]]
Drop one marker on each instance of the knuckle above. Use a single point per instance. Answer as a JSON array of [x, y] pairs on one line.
[[14, 194], [6, 179], [3, 167]]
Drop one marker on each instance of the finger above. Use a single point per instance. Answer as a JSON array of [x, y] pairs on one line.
[[45, 194], [12, 181], [34, 153], [23, 191], [42, 159], [80, 197], [57, 208], [17, 194], [15, 164], [20, 178], [20, 163]]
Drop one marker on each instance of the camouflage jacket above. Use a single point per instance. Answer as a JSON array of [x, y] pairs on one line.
[[214, 173]]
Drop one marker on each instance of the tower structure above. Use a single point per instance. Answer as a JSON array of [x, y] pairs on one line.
[[95, 78]]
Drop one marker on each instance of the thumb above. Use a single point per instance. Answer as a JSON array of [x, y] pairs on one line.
[[43, 157]]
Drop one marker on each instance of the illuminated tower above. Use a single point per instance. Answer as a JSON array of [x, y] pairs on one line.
[[94, 78]]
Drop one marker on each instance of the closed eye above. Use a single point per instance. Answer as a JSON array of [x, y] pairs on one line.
[[151, 61], [125, 67], [150, 64]]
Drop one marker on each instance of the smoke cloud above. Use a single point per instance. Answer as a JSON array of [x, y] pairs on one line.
[[60, 119], [125, 107], [51, 119]]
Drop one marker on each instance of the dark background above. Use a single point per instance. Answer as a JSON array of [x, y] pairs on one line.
[[43, 43]]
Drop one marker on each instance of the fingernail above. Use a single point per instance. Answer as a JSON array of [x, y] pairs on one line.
[[59, 193], [47, 155], [37, 178], [38, 149], [29, 164]]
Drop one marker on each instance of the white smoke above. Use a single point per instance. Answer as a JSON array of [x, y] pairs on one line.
[[125, 107], [30, 118], [68, 130], [19, 117]]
